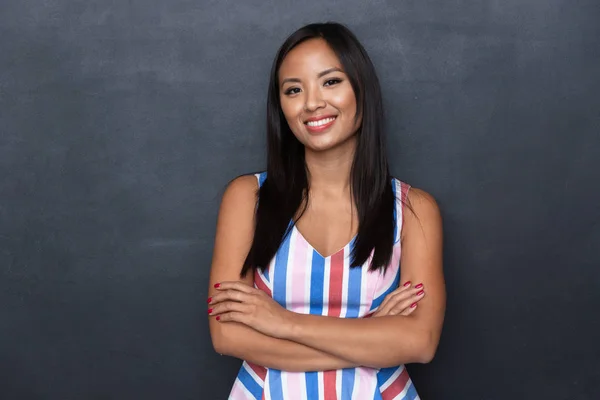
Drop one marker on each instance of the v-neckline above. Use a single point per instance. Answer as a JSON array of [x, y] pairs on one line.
[[315, 250]]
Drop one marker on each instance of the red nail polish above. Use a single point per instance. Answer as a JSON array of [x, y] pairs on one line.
[[209, 300], [413, 305], [420, 293], [407, 284], [217, 285], [419, 286], [210, 310], [218, 317]]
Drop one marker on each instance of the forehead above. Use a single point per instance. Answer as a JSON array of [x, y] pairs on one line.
[[308, 58]]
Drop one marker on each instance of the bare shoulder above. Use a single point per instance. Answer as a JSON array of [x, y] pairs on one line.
[[423, 212], [241, 192]]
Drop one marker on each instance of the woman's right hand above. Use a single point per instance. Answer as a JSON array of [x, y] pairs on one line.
[[402, 301]]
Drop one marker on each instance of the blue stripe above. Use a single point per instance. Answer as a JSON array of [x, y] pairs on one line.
[[411, 393], [275, 384], [317, 277], [384, 374], [347, 383], [251, 385], [312, 385], [392, 287], [280, 273], [377, 395], [354, 289]]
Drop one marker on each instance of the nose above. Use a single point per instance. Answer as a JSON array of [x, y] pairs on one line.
[[314, 100]]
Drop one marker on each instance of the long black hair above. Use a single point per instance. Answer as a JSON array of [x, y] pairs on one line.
[[286, 187]]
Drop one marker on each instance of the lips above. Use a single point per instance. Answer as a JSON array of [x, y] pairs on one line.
[[319, 124]]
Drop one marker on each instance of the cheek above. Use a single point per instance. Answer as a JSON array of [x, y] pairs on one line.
[[289, 108], [345, 101]]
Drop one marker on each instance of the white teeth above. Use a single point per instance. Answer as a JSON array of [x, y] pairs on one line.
[[320, 122]]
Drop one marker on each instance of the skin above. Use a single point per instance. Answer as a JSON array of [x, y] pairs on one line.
[[248, 324]]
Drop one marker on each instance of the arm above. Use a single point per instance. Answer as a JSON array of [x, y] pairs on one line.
[[391, 340], [235, 229]]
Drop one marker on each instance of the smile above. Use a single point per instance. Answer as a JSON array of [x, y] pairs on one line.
[[319, 125], [321, 122]]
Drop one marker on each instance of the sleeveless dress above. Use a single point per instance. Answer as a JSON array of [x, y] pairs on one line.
[[303, 281]]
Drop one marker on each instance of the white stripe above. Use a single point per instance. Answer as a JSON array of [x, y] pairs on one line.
[[326, 279], [284, 383], [271, 273], [345, 280], [338, 383], [321, 385], [356, 388], [267, 387]]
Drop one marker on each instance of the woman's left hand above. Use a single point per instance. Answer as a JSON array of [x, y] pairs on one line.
[[238, 302]]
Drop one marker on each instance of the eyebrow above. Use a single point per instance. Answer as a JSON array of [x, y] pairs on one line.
[[319, 75]]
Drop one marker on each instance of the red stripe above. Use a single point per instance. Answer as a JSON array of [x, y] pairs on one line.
[[258, 370], [261, 284], [336, 282], [396, 387]]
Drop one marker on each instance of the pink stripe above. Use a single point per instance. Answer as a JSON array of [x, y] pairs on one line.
[[297, 273], [237, 392], [365, 383], [390, 274]]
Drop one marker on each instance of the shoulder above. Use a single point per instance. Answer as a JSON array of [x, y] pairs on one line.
[[241, 193], [422, 212]]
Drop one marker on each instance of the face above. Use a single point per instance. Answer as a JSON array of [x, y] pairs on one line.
[[316, 96]]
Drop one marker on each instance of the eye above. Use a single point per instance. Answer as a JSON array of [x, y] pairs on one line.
[[292, 90], [332, 81]]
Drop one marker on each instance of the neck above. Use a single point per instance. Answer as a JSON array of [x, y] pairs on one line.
[[330, 170]]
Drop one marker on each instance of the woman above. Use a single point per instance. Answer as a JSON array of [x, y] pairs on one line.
[[307, 251]]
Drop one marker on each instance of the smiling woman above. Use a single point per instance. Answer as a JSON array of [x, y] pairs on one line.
[[306, 284]]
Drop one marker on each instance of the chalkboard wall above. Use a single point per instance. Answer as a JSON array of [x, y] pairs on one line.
[[121, 122]]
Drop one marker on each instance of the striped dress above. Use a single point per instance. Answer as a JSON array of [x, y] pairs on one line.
[[303, 281]]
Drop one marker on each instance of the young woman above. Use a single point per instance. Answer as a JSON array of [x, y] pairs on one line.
[[306, 285]]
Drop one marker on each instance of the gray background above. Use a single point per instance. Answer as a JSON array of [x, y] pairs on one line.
[[121, 122]]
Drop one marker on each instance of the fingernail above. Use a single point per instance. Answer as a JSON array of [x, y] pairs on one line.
[[413, 305], [210, 310], [209, 300], [419, 286], [420, 293], [218, 317], [407, 284], [217, 285]]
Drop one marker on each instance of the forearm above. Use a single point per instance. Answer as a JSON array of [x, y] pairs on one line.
[[372, 342], [238, 340]]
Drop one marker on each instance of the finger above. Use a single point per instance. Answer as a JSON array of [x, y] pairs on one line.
[[385, 303], [404, 305], [409, 310], [230, 295], [228, 306], [233, 316], [400, 297], [235, 285]]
